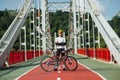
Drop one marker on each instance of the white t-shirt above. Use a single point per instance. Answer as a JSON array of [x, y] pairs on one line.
[[60, 40]]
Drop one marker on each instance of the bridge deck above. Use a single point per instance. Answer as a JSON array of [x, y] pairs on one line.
[[108, 71]]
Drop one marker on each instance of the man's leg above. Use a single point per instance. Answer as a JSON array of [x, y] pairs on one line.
[[57, 58], [63, 65]]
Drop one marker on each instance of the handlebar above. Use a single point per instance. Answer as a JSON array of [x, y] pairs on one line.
[[64, 51]]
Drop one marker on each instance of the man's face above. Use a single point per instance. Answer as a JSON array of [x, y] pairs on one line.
[[60, 34]]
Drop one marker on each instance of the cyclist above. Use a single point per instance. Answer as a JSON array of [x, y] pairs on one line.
[[60, 42]]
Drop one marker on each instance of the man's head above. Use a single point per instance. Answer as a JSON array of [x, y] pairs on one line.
[[60, 31]]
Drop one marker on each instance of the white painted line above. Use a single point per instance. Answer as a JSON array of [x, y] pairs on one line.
[[26, 72], [59, 72], [93, 71], [58, 78]]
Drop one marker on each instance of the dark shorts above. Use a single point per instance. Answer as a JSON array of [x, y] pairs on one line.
[[59, 51]]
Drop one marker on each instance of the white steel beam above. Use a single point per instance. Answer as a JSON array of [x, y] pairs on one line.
[[75, 26], [44, 7]]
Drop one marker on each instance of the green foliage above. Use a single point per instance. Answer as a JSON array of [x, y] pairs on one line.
[[6, 17], [115, 23], [59, 20]]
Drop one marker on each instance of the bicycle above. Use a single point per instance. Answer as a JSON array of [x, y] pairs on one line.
[[48, 63]]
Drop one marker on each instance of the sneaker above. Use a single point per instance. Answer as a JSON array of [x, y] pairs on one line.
[[55, 69], [64, 69]]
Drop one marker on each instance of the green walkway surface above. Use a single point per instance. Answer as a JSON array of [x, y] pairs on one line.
[[109, 71], [16, 70]]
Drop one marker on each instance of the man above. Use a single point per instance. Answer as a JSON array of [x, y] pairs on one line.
[[60, 45]]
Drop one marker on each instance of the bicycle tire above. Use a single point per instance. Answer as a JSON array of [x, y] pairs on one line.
[[47, 64], [71, 63]]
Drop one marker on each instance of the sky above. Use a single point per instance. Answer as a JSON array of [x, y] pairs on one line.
[[108, 8]]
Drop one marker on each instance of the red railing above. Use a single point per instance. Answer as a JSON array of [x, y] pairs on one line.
[[19, 56], [101, 53]]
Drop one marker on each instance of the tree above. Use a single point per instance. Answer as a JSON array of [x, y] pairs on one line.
[[115, 24]]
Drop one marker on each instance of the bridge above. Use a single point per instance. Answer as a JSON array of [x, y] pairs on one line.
[[78, 30]]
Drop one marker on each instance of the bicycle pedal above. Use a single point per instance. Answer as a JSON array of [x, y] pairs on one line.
[[55, 70], [64, 69]]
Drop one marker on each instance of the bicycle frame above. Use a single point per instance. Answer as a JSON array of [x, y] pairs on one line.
[[48, 63], [61, 58]]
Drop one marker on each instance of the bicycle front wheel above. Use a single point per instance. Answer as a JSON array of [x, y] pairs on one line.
[[48, 64], [71, 63]]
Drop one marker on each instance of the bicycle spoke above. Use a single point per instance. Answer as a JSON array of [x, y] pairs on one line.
[[47, 64], [71, 63]]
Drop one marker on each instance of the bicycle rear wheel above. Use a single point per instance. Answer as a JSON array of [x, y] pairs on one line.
[[71, 63], [48, 64]]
